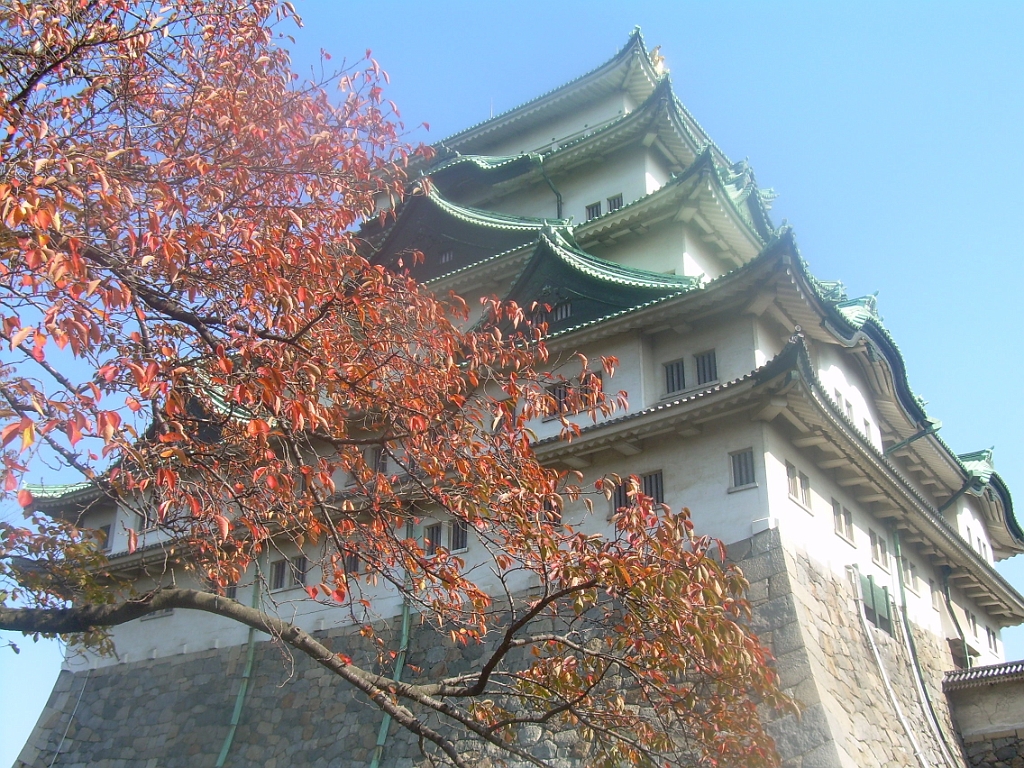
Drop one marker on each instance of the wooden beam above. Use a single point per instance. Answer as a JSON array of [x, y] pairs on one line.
[[628, 447], [577, 462], [833, 463], [846, 482], [807, 442]]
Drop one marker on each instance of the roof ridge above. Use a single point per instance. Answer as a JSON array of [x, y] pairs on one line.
[[634, 42]]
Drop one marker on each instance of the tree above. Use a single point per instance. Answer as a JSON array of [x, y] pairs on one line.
[[191, 323]]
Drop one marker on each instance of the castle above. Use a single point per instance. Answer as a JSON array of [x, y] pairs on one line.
[[768, 401]]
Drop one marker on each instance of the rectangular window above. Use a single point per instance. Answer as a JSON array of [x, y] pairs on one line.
[[707, 367], [560, 393], [675, 379], [839, 397], [351, 562], [103, 538], [458, 535], [614, 203], [993, 639], [867, 429], [231, 591], [879, 550], [877, 607], [652, 486], [561, 311], [799, 485], [591, 385], [908, 573], [972, 622], [378, 460], [432, 538], [299, 568], [447, 257], [842, 520], [936, 594], [849, 409], [743, 468], [593, 211], [278, 571]]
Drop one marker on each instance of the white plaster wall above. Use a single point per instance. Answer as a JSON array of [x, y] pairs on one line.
[[628, 377], [767, 341], [838, 374], [987, 709], [812, 531], [561, 127], [733, 342]]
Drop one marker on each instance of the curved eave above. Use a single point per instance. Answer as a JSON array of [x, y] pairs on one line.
[[629, 69], [696, 197], [458, 174], [68, 502], [883, 349]]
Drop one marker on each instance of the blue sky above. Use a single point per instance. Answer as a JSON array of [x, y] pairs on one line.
[[892, 134]]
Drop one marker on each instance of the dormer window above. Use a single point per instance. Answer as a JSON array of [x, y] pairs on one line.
[[614, 203], [593, 210], [561, 311]]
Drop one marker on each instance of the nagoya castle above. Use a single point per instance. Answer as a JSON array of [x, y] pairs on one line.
[[769, 401]]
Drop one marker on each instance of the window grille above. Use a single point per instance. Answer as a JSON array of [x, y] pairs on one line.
[[877, 607], [351, 562], [799, 485], [447, 257], [552, 513], [614, 203], [561, 311], [652, 486], [743, 468], [972, 622], [593, 211], [560, 393], [278, 569], [849, 409], [707, 367], [805, 490], [459, 535], [432, 538], [675, 378]]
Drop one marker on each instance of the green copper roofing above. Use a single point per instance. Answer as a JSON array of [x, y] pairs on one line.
[[452, 237], [858, 311], [57, 491], [635, 46], [458, 172], [979, 465], [581, 288]]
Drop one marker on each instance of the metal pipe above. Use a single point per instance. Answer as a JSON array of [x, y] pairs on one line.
[[403, 649], [933, 427], [558, 195], [881, 668], [243, 688], [922, 692]]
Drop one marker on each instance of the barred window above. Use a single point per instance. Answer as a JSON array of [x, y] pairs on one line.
[[651, 484], [278, 569], [561, 311], [458, 535], [675, 378], [560, 392], [743, 468], [707, 367], [351, 561], [614, 203], [593, 210], [447, 257], [432, 538]]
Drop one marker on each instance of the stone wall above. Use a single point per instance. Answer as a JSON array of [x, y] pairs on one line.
[[174, 712], [990, 716]]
